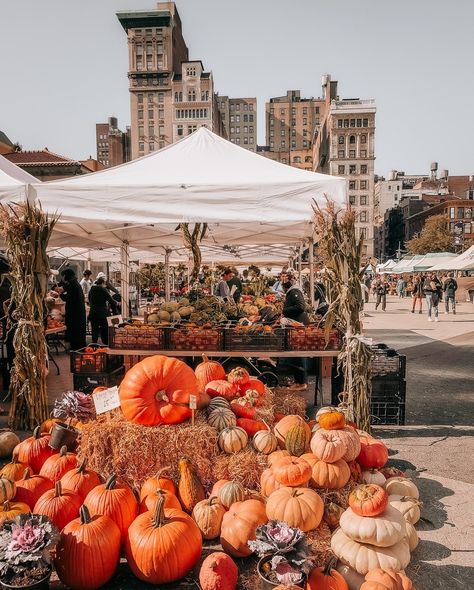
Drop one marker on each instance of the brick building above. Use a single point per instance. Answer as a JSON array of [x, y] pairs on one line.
[[113, 145], [239, 120]]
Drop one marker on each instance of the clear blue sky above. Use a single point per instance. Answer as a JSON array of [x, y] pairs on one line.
[[63, 67]]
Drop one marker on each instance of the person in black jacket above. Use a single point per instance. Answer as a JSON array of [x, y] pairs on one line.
[[294, 308], [101, 303], [75, 313], [450, 287], [417, 293]]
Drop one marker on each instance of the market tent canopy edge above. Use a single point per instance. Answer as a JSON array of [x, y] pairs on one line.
[[13, 181]]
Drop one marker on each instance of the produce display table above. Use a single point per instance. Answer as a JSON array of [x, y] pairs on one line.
[[52, 338], [326, 356]]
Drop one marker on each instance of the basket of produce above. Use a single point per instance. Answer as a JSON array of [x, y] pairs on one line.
[[258, 337], [193, 337], [94, 359], [137, 336], [312, 337]]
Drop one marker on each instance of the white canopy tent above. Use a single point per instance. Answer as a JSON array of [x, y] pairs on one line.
[[428, 260], [13, 182], [464, 261]]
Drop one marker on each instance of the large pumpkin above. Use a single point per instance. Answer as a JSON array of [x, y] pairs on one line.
[[163, 546], [332, 476], [57, 465], [208, 371], [218, 572], [156, 391], [276, 455], [190, 489], [208, 515], [88, 552], [158, 482], [299, 507], [35, 450], [283, 426], [61, 506], [383, 530], [325, 578], [221, 388], [10, 510], [239, 525], [379, 579], [368, 500], [148, 504], [14, 470], [31, 488], [268, 483], [364, 558], [292, 471], [373, 453], [113, 499], [327, 445], [80, 480]]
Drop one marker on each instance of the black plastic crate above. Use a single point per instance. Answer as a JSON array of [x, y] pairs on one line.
[[389, 364], [91, 360], [388, 407], [88, 382], [195, 338], [241, 339], [137, 336]]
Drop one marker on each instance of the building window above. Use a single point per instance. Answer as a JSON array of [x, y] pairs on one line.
[[246, 140], [150, 97], [246, 118], [352, 139], [282, 133], [192, 96], [191, 129], [151, 146], [237, 140], [237, 107], [251, 129], [272, 111], [293, 111], [352, 153], [467, 228], [316, 110], [353, 185], [339, 123], [352, 199], [353, 122], [283, 160], [232, 118], [180, 130], [231, 106], [191, 73], [363, 232], [451, 212], [140, 114], [151, 131], [283, 143], [293, 122], [272, 144], [237, 129], [246, 129], [341, 169], [363, 200], [293, 133], [363, 169], [150, 114], [365, 122], [282, 111], [305, 110], [141, 131], [352, 169], [272, 121], [364, 216], [246, 107], [297, 160], [341, 154], [341, 139], [363, 138], [305, 121], [359, 122], [363, 153], [205, 96], [293, 144], [460, 212], [251, 140], [346, 122], [141, 145], [363, 184], [237, 118], [305, 143], [251, 107], [250, 118]]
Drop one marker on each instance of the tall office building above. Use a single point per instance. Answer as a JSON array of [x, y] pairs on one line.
[[344, 145], [113, 145], [239, 120]]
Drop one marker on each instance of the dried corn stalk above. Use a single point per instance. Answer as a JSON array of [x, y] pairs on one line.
[[341, 255], [192, 240], [26, 231]]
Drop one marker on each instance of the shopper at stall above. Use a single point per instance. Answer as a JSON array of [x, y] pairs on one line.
[[235, 286], [381, 289], [223, 289], [294, 308], [417, 293], [75, 312], [401, 285], [432, 289], [86, 283], [102, 305], [450, 287]]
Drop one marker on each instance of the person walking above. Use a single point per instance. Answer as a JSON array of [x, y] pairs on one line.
[[431, 290], [86, 283], [401, 287], [417, 293], [102, 304], [381, 289], [75, 312], [450, 287]]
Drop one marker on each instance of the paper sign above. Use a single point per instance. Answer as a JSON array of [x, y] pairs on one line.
[[106, 400], [114, 320], [193, 402]]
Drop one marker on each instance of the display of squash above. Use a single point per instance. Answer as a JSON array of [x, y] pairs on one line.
[[238, 376], [297, 438], [325, 578], [190, 489], [384, 530], [268, 483], [218, 402], [283, 426], [239, 525], [31, 488], [221, 418], [156, 391], [158, 482], [332, 514], [381, 579], [292, 471], [373, 453], [218, 572], [264, 441], [250, 426], [208, 515], [368, 500], [232, 439], [208, 371], [332, 476], [364, 558], [88, 552], [35, 450], [11, 509], [401, 486], [299, 507], [231, 492], [409, 507], [14, 470], [59, 464], [221, 388], [163, 546], [60, 506], [8, 441]]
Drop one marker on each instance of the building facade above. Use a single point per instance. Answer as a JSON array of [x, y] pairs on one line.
[[113, 145], [389, 192], [344, 145], [46, 165], [239, 120]]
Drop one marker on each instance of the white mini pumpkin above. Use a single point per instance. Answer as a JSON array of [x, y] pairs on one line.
[[373, 476], [411, 536], [264, 441], [409, 507], [401, 486], [383, 530]]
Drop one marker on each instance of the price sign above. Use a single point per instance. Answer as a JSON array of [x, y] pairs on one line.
[[193, 402], [106, 400]]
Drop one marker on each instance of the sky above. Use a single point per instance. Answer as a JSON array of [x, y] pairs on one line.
[[63, 67]]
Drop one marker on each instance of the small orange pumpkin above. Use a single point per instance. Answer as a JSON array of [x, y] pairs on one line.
[[292, 471], [332, 420]]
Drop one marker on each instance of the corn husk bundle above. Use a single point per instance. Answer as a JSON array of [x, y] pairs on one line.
[[27, 230]]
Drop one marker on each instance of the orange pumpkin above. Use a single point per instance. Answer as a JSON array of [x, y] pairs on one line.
[[239, 525], [14, 470], [11, 509], [373, 453], [48, 424], [325, 578], [208, 371], [88, 552], [379, 579], [368, 500], [57, 465], [276, 455], [156, 391], [252, 385], [31, 488], [327, 475], [148, 504], [332, 420], [221, 388], [113, 499], [158, 482], [299, 507], [80, 480], [163, 546], [292, 471], [218, 572], [238, 376], [250, 426], [268, 483], [35, 450], [281, 429], [61, 506]]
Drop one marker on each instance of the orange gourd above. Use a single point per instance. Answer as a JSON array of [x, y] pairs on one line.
[[11, 509], [299, 507], [190, 489], [35, 450], [31, 488], [163, 546], [292, 471], [88, 552], [268, 483], [283, 426], [218, 572], [57, 465], [113, 499], [379, 579], [252, 385], [251, 427], [208, 371], [368, 500], [373, 453], [14, 470], [80, 480], [325, 578], [61, 506], [243, 410], [332, 420], [159, 481], [148, 504], [332, 476], [239, 525], [156, 391]]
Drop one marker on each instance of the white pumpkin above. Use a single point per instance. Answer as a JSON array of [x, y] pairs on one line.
[[264, 441], [411, 536], [364, 558], [8, 441], [353, 579], [409, 507], [401, 486], [221, 418], [327, 446], [373, 476], [383, 530]]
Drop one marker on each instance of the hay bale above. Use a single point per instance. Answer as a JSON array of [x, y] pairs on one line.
[[319, 541], [266, 411], [244, 467], [134, 452], [286, 401]]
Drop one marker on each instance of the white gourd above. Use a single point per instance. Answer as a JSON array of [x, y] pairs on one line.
[[383, 530], [401, 486], [412, 536], [409, 507], [373, 476]]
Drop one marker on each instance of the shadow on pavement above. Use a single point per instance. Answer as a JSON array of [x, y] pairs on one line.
[[423, 432], [429, 576]]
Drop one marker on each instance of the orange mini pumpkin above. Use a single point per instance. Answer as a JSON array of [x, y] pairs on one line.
[[292, 471], [368, 500], [332, 420]]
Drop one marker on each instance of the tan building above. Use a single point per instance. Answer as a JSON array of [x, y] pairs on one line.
[[290, 122], [239, 120], [113, 145], [345, 146]]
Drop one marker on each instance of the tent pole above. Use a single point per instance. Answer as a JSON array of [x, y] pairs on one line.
[[167, 274], [300, 263], [311, 271], [125, 275]]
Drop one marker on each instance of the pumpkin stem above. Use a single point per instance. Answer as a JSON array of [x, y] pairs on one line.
[[37, 432], [162, 470], [82, 466], [63, 451], [84, 514], [205, 358], [158, 519], [58, 491], [111, 482], [6, 506], [211, 500], [15, 457], [27, 473], [328, 567]]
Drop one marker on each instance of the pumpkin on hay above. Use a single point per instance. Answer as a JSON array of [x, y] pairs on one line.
[[80, 480], [299, 507], [208, 371], [158, 482], [60, 506], [148, 504], [163, 546], [88, 552], [232, 439], [250, 426], [292, 471], [190, 489], [31, 488], [325, 578], [373, 453], [384, 530], [218, 402], [218, 572], [221, 388], [156, 391], [276, 455], [283, 426], [35, 450], [57, 465], [268, 483], [238, 376], [379, 579], [239, 526], [208, 515], [231, 492], [114, 499], [11, 509], [264, 441], [297, 438], [243, 408], [327, 446], [332, 476], [15, 469], [252, 385], [221, 418], [368, 500]]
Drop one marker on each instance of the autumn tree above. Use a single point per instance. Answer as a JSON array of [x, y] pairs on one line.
[[434, 237]]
